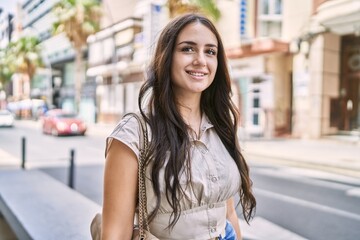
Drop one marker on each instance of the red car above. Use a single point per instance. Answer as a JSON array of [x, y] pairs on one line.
[[59, 122]]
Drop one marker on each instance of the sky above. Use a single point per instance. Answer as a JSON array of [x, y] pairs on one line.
[[8, 5]]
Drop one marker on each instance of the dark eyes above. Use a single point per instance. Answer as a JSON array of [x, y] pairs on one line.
[[209, 51], [187, 49]]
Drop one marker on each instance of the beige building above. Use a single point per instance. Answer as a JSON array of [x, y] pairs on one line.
[[261, 67], [118, 54], [297, 67], [294, 63], [326, 71]]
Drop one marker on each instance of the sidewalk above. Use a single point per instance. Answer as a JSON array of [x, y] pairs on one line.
[[336, 155], [8, 161]]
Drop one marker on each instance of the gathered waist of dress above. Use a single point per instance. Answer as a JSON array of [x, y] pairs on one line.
[[204, 222]]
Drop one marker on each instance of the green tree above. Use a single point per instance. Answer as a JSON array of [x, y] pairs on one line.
[[25, 55], [22, 56], [207, 7], [6, 68], [78, 19]]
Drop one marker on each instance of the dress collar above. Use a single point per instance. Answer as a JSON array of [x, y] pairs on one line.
[[204, 125]]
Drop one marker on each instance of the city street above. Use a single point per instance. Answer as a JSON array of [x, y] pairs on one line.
[[293, 203], [313, 204], [291, 69], [47, 150]]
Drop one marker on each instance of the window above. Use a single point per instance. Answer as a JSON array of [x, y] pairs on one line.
[[278, 7], [256, 102], [269, 18], [270, 29], [270, 7], [255, 119], [264, 7]]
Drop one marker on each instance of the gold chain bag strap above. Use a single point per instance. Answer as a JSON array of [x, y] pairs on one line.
[[142, 232]]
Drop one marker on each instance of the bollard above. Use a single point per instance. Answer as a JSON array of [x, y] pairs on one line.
[[71, 169], [23, 152]]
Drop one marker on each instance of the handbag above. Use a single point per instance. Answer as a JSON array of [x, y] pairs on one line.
[[140, 232]]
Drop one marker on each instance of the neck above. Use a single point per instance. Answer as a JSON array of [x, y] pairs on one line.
[[190, 111], [189, 107]]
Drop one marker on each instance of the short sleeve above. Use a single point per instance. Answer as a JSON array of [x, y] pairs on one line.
[[126, 131]]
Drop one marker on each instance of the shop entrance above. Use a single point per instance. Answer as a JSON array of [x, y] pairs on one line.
[[350, 83]]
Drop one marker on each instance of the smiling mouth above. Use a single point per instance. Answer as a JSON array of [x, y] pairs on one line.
[[196, 74]]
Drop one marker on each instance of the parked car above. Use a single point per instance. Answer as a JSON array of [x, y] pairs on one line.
[[59, 122], [6, 118]]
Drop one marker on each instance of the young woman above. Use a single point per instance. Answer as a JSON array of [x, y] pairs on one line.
[[194, 167]]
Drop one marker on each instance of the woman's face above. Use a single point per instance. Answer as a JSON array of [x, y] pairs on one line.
[[194, 60]]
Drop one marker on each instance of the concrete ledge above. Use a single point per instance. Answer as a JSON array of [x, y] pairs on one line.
[[36, 206]]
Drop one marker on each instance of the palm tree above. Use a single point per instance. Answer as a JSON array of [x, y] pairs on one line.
[[78, 19], [23, 56], [26, 55], [207, 7], [6, 68]]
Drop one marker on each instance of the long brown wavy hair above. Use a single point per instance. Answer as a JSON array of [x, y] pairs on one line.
[[169, 131]]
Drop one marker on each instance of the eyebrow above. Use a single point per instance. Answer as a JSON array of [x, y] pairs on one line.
[[194, 43]]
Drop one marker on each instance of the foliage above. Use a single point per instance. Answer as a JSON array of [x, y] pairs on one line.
[[78, 19], [206, 7], [22, 56], [26, 55], [6, 68]]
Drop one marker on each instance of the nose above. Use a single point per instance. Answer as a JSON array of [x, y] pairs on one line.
[[199, 59]]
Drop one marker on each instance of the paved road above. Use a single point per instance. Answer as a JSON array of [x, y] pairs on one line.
[[293, 203]]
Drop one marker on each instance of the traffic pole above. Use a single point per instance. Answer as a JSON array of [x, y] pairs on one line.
[[23, 152], [71, 169]]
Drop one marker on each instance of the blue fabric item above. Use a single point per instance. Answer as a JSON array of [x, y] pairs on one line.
[[229, 232]]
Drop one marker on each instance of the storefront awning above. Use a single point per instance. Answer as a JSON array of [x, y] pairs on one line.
[[257, 47]]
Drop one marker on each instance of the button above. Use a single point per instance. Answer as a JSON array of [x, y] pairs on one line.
[[214, 179], [204, 151], [211, 205], [212, 230]]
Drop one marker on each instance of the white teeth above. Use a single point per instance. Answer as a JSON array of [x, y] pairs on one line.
[[196, 74]]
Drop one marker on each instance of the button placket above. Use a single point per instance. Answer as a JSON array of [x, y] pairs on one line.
[[212, 226], [214, 179]]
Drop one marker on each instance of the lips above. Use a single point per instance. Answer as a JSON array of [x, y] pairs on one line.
[[196, 74]]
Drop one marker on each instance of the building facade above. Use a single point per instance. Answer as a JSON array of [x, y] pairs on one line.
[[296, 66], [119, 53], [6, 30], [327, 71], [55, 82], [294, 63], [261, 68]]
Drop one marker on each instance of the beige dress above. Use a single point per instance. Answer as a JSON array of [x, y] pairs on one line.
[[215, 178]]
